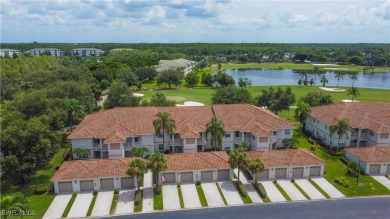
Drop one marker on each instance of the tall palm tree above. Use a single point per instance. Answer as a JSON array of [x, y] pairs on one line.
[[216, 128], [75, 110], [164, 122], [157, 162], [14, 201], [302, 112], [137, 168], [354, 77], [316, 71], [354, 92], [238, 158], [139, 152], [341, 128], [256, 166], [339, 75], [324, 80]]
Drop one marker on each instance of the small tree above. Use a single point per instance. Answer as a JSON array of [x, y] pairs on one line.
[[302, 112], [290, 142], [339, 75], [224, 79], [159, 99], [170, 77], [139, 152], [137, 168], [191, 79], [216, 128], [324, 80], [300, 82], [165, 123], [353, 77], [238, 158], [231, 95], [157, 163], [13, 202], [207, 79], [81, 152], [341, 128], [256, 166], [354, 92]]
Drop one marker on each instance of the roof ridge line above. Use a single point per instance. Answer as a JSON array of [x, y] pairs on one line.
[[127, 128], [82, 162], [311, 154], [196, 154]]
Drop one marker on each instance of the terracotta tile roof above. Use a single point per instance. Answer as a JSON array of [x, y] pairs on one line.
[[115, 125], [371, 154], [362, 115], [284, 158], [90, 169], [198, 161]]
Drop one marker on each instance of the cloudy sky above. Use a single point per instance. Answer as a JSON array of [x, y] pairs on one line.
[[179, 21]]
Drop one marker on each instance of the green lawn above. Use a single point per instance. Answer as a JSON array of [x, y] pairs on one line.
[[180, 197], [38, 203], [238, 185], [301, 190], [69, 205], [281, 190], [221, 193], [158, 200], [319, 189], [138, 208], [201, 195], [335, 168], [89, 212], [114, 203]]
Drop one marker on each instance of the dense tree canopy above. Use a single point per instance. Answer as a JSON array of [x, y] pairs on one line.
[[170, 77], [231, 95], [120, 95], [276, 101]]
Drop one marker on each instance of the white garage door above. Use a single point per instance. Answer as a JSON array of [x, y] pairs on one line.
[[127, 182], [375, 168], [280, 172], [86, 185], [388, 168], [65, 186], [207, 175], [107, 183], [297, 172], [263, 175], [187, 177], [169, 177], [224, 174], [315, 171]]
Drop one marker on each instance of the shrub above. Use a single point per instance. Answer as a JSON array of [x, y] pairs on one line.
[[116, 191], [39, 190], [275, 181], [241, 188], [95, 192], [179, 185], [57, 167], [138, 197], [197, 182], [309, 179], [50, 188], [292, 180], [260, 189], [345, 161], [342, 181], [74, 193], [157, 190]]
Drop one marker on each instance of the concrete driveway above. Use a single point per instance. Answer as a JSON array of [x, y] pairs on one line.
[[328, 188], [190, 196], [309, 189], [125, 203], [147, 203], [103, 203], [231, 195], [57, 207], [272, 192], [212, 195], [251, 191], [81, 205], [291, 190], [383, 180], [170, 197]]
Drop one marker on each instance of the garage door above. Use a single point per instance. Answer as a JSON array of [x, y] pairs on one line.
[[297, 172], [127, 182], [315, 171], [375, 168], [388, 169], [187, 177], [263, 175], [107, 183], [224, 174], [169, 177], [207, 175], [86, 185], [65, 186], [280, 172]]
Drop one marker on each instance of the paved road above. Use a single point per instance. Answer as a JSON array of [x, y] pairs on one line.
[[366, 207]]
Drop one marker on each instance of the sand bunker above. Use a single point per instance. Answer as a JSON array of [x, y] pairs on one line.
[[337, 69], [332, 89], [325, 64], [350, 101], [190, 103]]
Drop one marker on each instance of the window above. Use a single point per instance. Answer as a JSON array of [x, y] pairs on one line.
[[227, 135], [160, 135], [96, 141], [287, 131], [136, 139], [326, 127], [370, 132], [314, 120], [190, 140], [263, 139], [161, 147], [384, 135], [115, 146]]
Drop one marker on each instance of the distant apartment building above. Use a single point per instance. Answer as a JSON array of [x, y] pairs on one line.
[[9, 52], [186, 66], [45, 51], [370, 122], [112, 133], [86, 52]]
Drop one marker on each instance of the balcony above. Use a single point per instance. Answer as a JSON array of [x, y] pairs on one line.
[[177, 141], [248, 139], [105, 147], [96, 146], [363, 135], [200, 141], [354, 135], [237, 139], [131, 144], [273, 138]]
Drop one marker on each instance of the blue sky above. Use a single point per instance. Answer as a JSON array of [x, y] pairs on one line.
[[181, 21]]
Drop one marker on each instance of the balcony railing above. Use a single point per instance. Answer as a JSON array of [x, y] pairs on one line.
[[354, 135], [247, 139], [96, 145], [177, 141], [105, 147], [131, 144], [363, 135], [200, 140], [237, 139], [273, 138]]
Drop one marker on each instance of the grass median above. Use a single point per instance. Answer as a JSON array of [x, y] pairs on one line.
[[202, 197]]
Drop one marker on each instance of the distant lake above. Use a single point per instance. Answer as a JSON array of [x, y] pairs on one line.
[[268, 77]]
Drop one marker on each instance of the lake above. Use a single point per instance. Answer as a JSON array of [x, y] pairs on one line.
[[268, 77]]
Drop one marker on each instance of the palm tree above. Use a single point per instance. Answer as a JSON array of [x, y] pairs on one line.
[[14, 201], [354, 77], [339, 75], [157, 162], [342, 128], [316, 71], [290, 142], [324, 80], [81, 152], [75, 109], [238, 158], [216, 128], [354, 92], [302, 112], [137, 168], [139, 152], [164, 122], [256, 166]]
